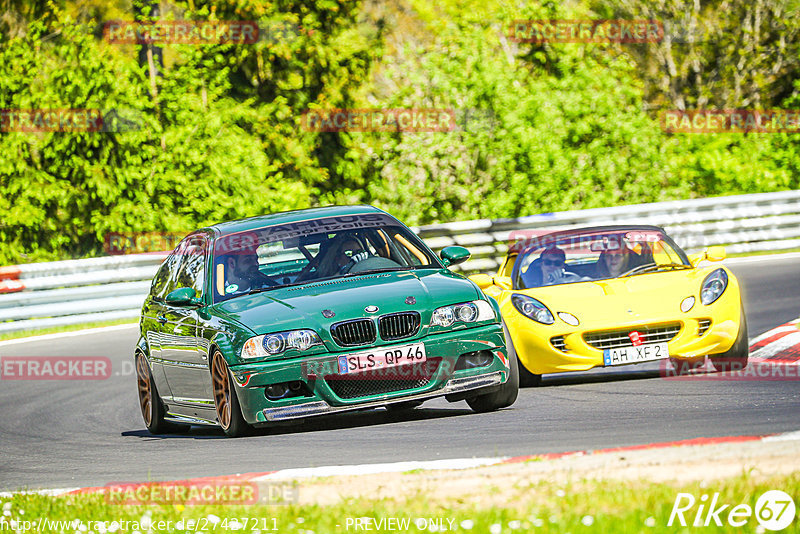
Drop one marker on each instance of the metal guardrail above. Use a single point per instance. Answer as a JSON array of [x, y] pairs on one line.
[[745, 223], [44, 295]]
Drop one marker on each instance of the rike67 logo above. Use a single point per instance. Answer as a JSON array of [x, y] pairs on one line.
[[774, 510]]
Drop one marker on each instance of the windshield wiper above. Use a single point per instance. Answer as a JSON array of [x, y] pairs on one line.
[[382, 270], [651, 267], [268, 288]]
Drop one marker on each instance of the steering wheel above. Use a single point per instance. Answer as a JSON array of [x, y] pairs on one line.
[[262, 280], [563, 277], [347, 267], [373, 262]]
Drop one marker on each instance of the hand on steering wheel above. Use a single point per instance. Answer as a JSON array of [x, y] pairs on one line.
[[560, 276], [355, 258]]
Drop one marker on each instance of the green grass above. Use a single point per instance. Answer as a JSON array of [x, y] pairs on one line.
[[541, 507], [65, 328]]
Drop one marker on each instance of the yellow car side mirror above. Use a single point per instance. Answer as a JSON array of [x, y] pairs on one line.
[[482, 280], [715, 253], [503, 281]]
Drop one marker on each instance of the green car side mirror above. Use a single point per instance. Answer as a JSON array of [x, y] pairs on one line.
[[454, 255], [183, 296]]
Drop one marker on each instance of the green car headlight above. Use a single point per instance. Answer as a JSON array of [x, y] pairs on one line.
[[466, 312], [713, 286], [279, 342], [532, 309]]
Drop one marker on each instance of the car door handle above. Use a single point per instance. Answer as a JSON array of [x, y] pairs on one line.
[[161, 319]]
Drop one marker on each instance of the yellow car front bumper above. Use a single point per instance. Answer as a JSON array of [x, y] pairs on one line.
[[556, 348]]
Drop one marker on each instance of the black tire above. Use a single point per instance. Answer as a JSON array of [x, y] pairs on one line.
[[735, 358], [150, 404], [507, 393], [226, 402]]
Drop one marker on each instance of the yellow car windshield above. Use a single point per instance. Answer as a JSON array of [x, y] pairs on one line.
[[570, 257]]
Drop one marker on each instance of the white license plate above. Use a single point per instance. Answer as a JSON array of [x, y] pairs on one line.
[[642, 353], [382, 358]]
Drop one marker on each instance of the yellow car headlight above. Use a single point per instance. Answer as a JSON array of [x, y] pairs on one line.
[[713, 286], [532, 309]]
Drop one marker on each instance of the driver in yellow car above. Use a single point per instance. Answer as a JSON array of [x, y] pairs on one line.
[[553, 261]]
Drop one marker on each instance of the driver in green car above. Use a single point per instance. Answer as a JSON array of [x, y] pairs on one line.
[[241, 273]]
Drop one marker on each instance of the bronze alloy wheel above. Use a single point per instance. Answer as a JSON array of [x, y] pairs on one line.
[[229, 412], [153, 411], [222, 390], [145, 390]]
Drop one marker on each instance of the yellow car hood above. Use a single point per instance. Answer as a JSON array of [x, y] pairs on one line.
[[619, 301]]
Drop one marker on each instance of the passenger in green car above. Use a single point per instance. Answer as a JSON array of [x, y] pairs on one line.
[[339, 254], [350, 252]]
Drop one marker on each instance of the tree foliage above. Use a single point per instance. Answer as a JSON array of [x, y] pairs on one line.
[[540, 127]]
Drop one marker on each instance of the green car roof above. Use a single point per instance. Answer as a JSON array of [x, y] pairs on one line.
[[286, 217]]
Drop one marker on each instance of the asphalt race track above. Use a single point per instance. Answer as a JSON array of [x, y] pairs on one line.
[[56, 434]]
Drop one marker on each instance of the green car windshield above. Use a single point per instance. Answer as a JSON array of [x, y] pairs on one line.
[[318, 249], [594, 255]]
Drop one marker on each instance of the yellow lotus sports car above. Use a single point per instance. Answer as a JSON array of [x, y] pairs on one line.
[[615, 295]]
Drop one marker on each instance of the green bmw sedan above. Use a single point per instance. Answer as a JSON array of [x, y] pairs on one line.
[[313, 312]]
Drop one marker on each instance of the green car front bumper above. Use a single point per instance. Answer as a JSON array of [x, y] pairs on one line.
[[443, 377]]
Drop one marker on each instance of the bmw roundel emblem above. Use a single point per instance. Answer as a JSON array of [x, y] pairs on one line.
[[371, 308]]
